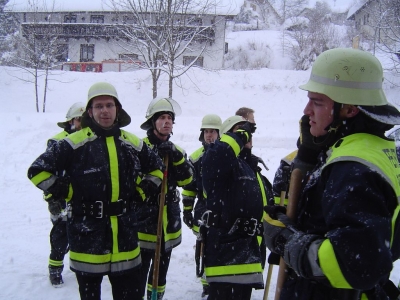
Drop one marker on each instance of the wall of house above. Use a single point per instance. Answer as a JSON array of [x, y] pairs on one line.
[[110, 48]]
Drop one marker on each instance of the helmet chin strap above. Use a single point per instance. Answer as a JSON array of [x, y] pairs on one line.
[[332, 128]]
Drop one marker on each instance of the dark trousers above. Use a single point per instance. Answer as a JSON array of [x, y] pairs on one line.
[[58, 241], [124, 287], [148, 267], [229, 291]]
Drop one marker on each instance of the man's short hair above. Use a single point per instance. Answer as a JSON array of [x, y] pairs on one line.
[[244, 112]]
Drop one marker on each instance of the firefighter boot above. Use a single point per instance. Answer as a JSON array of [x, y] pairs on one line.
[[205, 290], [160, 295], [55, 275]]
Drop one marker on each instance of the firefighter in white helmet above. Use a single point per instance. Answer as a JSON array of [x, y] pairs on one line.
[[346, 235], [160, 117], [58, 216], [102, 164], [209, 133]]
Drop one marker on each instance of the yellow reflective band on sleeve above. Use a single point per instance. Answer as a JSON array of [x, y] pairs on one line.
[[188, 208], [42, 176], [157, 173], [273, 222], [189, 193], [184, 182], [330, 267], [178, 162], [231, 142], [234, 269]]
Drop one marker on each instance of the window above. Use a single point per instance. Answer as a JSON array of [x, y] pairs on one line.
[[96, 19], [196, 22], [70, 19], [62, 52], [87, 52], [129, 56], [187, 60]]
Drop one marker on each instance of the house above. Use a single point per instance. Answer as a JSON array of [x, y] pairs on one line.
[[376, 22], [94, 39]]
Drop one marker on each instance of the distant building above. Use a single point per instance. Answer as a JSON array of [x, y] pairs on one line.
[[89, 37]]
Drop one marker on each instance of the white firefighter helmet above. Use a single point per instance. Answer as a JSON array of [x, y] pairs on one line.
[[75, 111], [231, 122], [157, 106], [210, 121], [105, 89], [355, 77]]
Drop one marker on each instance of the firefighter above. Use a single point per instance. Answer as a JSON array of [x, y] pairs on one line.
[[209, 133], [58, 215], [346, 235], [102, 164], [234, 193], [160, 117]]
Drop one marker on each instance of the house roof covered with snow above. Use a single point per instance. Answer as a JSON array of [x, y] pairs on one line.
[[223, 7]]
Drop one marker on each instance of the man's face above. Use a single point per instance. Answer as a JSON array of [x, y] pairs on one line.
[[210, 135], [250, 118], [76, 122], [320, 110], [103, 111], [164, 124]]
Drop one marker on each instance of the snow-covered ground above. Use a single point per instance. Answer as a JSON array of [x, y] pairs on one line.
[[24, 219]]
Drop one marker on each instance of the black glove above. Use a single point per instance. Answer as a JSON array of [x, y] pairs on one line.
[[55, 205], [244, 132], [151, 191], [59, 188], [274, 210], [188, 219], [253, 127], [307, 155], [283, 238], [168, 148]]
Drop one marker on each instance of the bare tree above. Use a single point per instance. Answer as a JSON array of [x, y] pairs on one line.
[[311, 35], [38, 48], [161, 32], [385, 20]]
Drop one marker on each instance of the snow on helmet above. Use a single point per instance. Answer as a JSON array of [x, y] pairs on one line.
[[210, 121], [231, 122], [105, 89], [75, 111], [158, 106], [355, 77]]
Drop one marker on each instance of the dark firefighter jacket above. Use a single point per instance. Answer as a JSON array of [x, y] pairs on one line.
[[351, 201], [180, 173], [232, 191], [195, 189], [280, 185], [102, 167]]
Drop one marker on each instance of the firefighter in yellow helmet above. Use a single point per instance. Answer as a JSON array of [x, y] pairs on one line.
[[346, 235]]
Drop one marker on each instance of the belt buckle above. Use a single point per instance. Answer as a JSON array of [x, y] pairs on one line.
[[255, 227], [203, 220], [100, 214], [123, 208]]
